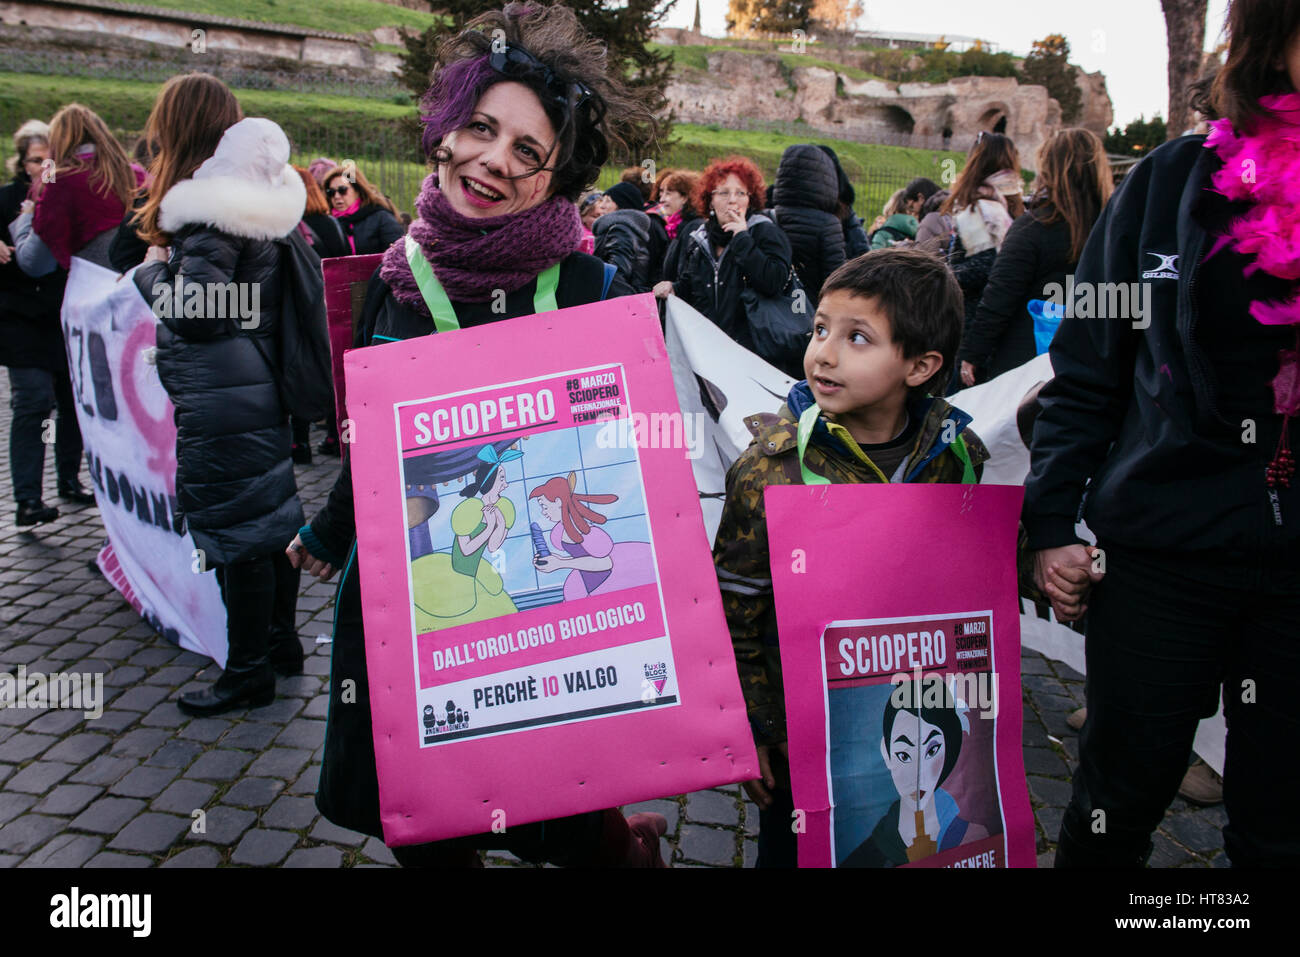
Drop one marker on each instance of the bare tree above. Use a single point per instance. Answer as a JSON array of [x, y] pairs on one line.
[[1185, 30]]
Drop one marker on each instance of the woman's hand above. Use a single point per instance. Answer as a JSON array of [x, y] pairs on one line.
[[967, 374], [551, 563], [1066, 576], [6, 253], [663, 289], [26, 207], [733, 221], [157, 254], [299, 557]]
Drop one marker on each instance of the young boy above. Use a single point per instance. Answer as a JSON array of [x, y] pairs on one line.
[[887, 327]]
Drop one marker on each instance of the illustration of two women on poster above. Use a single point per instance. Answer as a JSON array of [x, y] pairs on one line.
[[464, 585]]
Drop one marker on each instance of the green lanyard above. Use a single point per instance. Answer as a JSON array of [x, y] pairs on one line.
[[440, 307], [809, 419]]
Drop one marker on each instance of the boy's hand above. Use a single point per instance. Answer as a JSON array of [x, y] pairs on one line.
[[1066, 575], [759, 789]]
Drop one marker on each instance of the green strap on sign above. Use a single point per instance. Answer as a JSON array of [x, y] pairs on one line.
[[440, 307], [809, 419]]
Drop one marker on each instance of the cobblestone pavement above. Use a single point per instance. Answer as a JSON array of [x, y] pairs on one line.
[[122, 790]]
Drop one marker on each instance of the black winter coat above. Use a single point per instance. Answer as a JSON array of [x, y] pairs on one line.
[[1136, 404], [623, 241], [758, 258], [328, 235], [127, 249], [348, 793], [372, 228], [31, 335], [855, 237], [676, 245], [234, 475], [806, 196], [1033, 255]]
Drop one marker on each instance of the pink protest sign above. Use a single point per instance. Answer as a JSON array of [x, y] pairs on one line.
[[900, 650], [346, 278], [544, 634]]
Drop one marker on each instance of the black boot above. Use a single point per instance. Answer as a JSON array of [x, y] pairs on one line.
[[286, 655], [250, 689], [74, 491], [34, 512], [248, 592]]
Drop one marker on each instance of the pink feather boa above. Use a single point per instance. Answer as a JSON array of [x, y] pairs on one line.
[[1262, 169]]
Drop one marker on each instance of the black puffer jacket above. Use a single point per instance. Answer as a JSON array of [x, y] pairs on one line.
[[758, 257], [234, 474], [1033, 255], [372, 229], [30, 333], [806, 195], [623, 241]]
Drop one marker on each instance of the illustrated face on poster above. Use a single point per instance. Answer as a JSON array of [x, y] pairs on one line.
[[518, 505], [912, 768]]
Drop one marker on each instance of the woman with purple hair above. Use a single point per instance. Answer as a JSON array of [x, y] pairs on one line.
[[516, 130]]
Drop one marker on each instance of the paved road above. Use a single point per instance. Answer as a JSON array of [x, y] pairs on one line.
[[123, 790]]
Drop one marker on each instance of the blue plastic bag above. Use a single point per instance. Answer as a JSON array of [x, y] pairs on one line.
[[1047, 316]]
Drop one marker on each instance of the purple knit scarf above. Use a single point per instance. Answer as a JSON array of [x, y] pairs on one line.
[[474, 257]]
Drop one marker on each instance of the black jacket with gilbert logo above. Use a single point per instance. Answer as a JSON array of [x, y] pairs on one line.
[[1148, 407]]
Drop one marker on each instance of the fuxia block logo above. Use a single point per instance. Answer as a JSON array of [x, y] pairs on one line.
[[657, 675]]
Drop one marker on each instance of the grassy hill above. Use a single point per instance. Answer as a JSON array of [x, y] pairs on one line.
[[379, 135], [335, 16]]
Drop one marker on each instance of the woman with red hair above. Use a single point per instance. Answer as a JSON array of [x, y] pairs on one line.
[[595, 563], [735, 247]]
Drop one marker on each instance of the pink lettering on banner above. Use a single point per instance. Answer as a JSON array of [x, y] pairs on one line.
[[532, 637], [158, 431]]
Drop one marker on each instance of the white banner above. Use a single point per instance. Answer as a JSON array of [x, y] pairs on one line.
[[708, 362], [129, 433]]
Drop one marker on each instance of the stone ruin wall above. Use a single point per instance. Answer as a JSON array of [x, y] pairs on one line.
[[761, 89]]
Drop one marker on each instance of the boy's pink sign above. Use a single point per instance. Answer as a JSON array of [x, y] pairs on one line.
[[900, 650], [543, 629]]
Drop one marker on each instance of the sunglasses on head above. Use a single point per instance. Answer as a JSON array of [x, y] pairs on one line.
[[571, 95], [340, 190]]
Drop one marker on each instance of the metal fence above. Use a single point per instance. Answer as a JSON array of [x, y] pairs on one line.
[[111, 66]]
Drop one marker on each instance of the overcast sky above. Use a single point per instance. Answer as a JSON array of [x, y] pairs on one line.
[[1125, 39]]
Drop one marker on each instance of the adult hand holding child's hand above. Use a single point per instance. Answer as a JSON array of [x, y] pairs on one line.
[[1066, 575]]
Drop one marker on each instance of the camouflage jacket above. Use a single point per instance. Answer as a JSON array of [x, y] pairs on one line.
[[740, 551]]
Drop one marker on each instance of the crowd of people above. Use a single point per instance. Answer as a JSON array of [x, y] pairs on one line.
[[1138, 432]]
